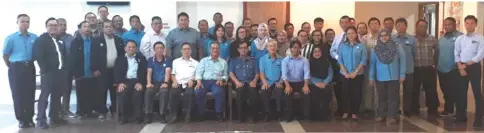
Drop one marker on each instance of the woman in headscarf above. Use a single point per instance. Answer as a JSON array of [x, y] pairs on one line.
[[282, 43], [321, 76], [259, 44], [352, 61], [218, 35], [387, 67], [241, 36]]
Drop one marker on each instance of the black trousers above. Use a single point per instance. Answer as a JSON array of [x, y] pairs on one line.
[[249, 96], [408, 89], [351, 94], [163, 95], [338, 89], [21, 77], [88, 93], [176, 98], [265, 96], [425, 77], [66, 97], [54, 83], [305, 100], [130, 98], [107, 81], [473, 76], [449, 88], [320, 101]]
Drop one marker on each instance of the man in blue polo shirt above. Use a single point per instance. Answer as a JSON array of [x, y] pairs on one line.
[[408, 43], [158, 77], [17, 54], [270, 75], [244, 72], [136, 33]]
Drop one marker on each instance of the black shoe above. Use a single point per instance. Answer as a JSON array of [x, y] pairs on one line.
[[444, 113], [460, 119], [122, 121], [288, 118], [139, 121], [148, 118], [81, 116], [162, 119], [220, 117], [42, 125], [200, 118], [30, 123], [266, 117], [173, 119], [407, 114], [187, 119], [102, 117], [58, 121], [23, 125]]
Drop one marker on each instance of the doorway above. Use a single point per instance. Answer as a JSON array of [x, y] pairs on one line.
[[260, 12], [430, 12]]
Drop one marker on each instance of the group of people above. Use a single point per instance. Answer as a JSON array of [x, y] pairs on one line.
[[364, 65]]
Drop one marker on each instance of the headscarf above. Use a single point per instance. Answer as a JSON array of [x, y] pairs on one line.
[[262, 39], [319, 67], [385, 52]]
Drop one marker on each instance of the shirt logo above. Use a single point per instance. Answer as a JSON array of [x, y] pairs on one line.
[[407, 42], [102, 44], [454, 38], [474, 42], [164, 65]]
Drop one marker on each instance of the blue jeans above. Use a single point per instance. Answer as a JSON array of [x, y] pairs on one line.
[[217, 91]]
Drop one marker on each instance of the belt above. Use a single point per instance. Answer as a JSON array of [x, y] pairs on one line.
[[26, 63]]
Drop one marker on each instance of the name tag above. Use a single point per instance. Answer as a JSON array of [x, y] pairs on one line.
[[454, 38], [102, 44], [164, 65]]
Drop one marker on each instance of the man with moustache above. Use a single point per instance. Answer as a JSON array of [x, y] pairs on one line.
[[104, 51]]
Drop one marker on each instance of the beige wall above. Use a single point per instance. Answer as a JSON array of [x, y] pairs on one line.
[[305, 11], [408, 10]]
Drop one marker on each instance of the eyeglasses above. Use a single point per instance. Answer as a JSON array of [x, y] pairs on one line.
[[52, 25]]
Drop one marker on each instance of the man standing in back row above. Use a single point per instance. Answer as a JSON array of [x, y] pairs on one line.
[[183, 34], [17, 54]]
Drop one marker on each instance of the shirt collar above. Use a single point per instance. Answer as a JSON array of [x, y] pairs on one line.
[[215, 60], [471, 34], [189, 59], [126, 55], [277, 56], [155, 60], [20, 33], [185, 30], [405, 36], [156, 34], [297, 58]]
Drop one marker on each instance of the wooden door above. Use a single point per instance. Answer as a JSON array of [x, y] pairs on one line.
[[260, 12]]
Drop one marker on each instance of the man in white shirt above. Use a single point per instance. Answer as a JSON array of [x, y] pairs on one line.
[[344, 22], [183, 77], [151, 37], [469, 52]]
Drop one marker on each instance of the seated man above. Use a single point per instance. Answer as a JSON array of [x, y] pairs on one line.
[[295, 74], [183, 77], [158, 77], [270, 75], [244, 72], [130, 75], [211, 74]]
